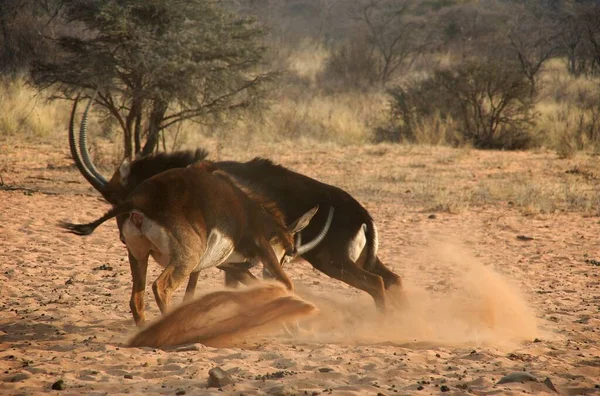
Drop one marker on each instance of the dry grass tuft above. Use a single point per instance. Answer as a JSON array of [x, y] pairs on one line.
[[27, 114]]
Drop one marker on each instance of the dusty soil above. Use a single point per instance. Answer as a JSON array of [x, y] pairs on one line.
[[480, 301]]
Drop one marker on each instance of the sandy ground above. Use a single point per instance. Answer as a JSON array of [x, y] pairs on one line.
[[480, 302]]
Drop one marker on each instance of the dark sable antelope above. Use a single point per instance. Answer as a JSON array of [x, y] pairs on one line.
[[347, 253], [190, 219], [188, 216], [349, 250]]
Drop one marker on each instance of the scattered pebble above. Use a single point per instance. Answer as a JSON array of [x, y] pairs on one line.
[[59, 385], [104, 267], [519, 376], [283, 390], [524, 238], [218, 378], [550, 385], [20, 377]]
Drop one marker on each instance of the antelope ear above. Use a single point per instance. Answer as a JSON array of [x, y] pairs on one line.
[[303, 221]]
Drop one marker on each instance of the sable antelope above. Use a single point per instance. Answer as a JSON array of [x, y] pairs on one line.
[[131, 175], [347, 253], [190, 219]]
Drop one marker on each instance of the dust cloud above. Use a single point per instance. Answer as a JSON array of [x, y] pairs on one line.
[[477, 307]]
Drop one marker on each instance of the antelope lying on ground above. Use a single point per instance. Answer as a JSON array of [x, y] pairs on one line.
[[194, 218], [348, 252]]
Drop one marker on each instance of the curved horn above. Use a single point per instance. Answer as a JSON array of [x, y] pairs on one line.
[[97, 184], [313, 244], [83, 143]]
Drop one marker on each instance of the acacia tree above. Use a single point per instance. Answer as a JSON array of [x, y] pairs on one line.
[[530, 37], [396, 33], [155, 63]]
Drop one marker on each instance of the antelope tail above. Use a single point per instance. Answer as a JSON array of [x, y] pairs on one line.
[[88, 228]]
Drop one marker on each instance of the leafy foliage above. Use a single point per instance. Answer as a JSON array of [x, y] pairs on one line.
[[491, 103], [157, 62]]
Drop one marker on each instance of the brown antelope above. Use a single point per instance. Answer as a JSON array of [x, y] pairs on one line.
[[349, 250], [190, 219]]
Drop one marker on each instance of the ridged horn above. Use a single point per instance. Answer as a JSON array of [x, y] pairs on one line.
[[300, 250], [97, 184], [83, 143]]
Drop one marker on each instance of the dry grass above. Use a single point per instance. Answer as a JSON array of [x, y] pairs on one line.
[[428, 176], [569, 115], [27, 114]]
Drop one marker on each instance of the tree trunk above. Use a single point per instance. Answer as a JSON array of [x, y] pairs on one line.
[[156, 117], [127, 144], [137, 133], [8, 52]]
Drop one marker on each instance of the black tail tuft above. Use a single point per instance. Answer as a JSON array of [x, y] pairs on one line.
[[77, 229]]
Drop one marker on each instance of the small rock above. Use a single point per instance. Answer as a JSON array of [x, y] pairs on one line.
[[432, 217], [524, 238], [537, 340], [187, 348], [103, 267], [519, 376], [128, 376], [20, 377], [283, 390], [180, 392], [420, 387], [550, 385], [59, 385], [325, 370], [593, 262], [218, 378], [444, 388], [64, 297]]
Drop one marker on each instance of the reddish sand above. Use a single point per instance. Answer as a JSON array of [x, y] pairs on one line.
[[479, 302]]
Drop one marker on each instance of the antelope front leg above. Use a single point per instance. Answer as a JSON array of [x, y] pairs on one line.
[[139, 269], [236, 273], [267, 256], [191, 286]]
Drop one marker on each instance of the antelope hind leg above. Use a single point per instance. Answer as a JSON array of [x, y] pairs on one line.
[[139, 269], [186, 263]]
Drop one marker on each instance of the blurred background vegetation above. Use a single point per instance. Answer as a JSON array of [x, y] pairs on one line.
[[491, 74]]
